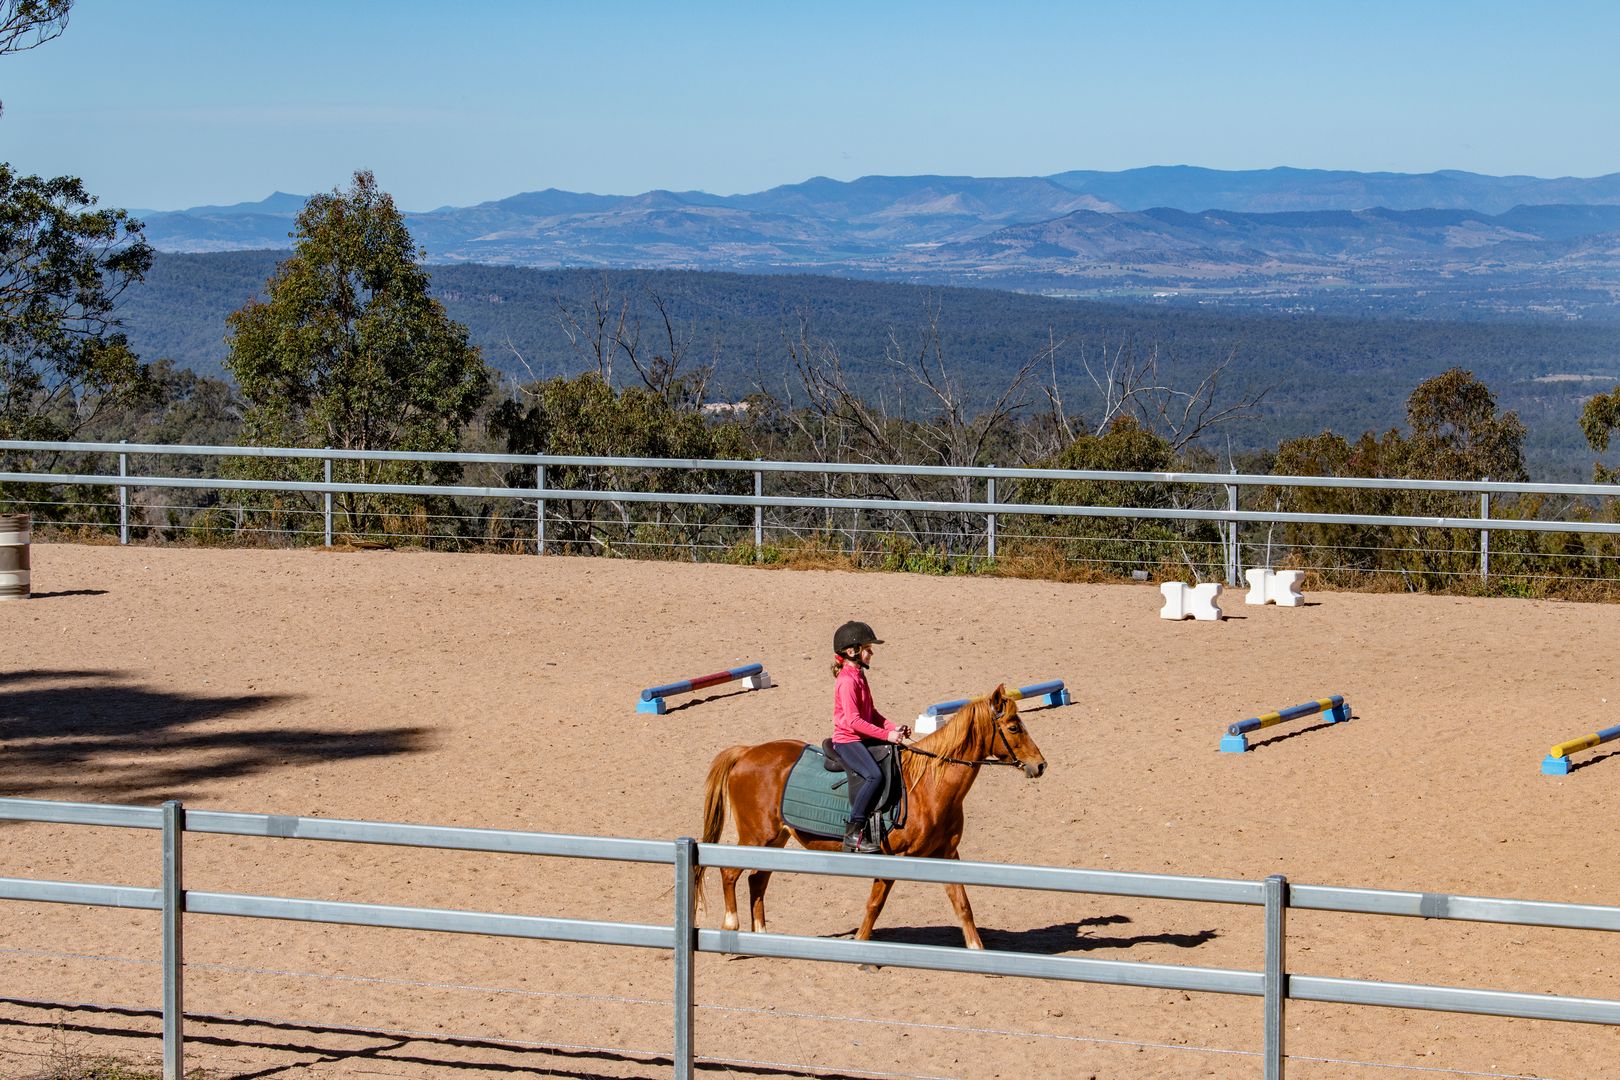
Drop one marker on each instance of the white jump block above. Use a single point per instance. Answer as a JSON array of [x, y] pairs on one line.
[[762, 681], [1183, 601], [1280, 587], [927, 725]]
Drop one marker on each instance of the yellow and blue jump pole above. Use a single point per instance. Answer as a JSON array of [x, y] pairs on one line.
[[1236, 739], [1556, 763]]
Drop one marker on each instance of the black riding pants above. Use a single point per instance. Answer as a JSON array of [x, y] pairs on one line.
[[858, 760]]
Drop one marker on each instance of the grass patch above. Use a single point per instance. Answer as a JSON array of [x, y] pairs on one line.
[[68, 1059]]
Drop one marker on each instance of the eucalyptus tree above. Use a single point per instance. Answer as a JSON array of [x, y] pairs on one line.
[[348, 349], [64, 264]]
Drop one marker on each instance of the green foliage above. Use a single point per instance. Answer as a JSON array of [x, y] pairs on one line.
[[1456, 434], [1599, 419], [63, 267], [65, 364], [1114, 545], [586, 417], [349, 351]]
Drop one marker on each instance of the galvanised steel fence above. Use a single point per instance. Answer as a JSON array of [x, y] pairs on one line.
[[1213, 524], [1274, 983]]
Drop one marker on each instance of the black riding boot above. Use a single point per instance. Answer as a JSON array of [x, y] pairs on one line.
[[857, 838]]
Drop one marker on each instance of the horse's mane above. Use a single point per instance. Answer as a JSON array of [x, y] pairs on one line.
[[966, 735]]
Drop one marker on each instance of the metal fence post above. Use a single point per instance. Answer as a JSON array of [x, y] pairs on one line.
[[990, 519], [326, 512], [1485, 538], [174, 903], [123, 498], [1234, 560], [1276, 987], [759, 515], [686, 856], [540, 511]]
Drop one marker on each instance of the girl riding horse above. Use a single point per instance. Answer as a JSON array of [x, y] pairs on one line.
[[746, 782]]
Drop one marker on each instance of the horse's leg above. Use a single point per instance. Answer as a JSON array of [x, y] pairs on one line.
[[757, 881], [728, 889], [874, 907], [964, 913]]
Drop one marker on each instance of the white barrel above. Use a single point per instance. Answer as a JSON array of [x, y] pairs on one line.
[[14, 537]]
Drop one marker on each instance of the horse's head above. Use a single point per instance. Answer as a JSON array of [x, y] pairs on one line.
[[1010, 741]]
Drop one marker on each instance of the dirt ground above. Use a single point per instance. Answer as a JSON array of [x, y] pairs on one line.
[[498, 691]]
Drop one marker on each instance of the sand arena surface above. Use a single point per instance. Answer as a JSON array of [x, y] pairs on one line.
[[497, 691]]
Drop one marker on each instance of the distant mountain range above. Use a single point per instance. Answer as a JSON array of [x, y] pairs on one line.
[[1202, 232]]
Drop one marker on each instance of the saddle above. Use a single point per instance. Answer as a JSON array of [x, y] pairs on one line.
[[813, 803], [891, 790]]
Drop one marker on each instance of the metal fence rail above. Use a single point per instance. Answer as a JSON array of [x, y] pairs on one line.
[[1274, 895], [711, 523]]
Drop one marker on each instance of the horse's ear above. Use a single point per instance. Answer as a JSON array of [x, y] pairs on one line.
[[999, 694]]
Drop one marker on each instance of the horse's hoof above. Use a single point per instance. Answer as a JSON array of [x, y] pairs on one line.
[[729, 923]]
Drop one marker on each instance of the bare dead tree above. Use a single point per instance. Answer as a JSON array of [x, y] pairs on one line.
[[1129, 382], [596, 331], [662, 372], [607, 330], [840, 423]]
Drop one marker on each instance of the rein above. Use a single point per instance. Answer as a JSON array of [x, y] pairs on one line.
[[995, 722]]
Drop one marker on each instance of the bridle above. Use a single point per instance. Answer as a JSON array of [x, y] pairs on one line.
[[1011, 759]]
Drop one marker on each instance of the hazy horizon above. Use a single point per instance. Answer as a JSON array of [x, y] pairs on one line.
[[250, 198], [167, 104]]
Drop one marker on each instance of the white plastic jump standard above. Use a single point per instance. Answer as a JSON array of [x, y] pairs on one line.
[[1280, 587], [1183, 601]]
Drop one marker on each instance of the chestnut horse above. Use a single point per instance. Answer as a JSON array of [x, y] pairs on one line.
[[938, 771]]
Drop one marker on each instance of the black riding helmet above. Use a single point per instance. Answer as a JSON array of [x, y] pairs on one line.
[[852, 635]]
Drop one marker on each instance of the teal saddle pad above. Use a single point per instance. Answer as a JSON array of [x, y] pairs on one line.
[[812, 805]]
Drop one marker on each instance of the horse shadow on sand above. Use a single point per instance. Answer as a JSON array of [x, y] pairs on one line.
[[1053, 940], [101, 736]]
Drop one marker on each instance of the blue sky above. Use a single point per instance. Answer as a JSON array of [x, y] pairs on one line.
[[162, 104]]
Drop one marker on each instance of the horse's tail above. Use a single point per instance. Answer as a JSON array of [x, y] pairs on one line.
[[714, 805]]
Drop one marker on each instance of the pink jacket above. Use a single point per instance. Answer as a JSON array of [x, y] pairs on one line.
[[854, 715]]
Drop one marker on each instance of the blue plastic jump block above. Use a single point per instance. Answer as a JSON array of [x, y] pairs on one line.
[[1554, 766], [1234, 744], [1055, 698], [656, 705], [1338, 714]]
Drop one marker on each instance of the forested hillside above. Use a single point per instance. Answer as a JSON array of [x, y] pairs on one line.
[[1346, 374]]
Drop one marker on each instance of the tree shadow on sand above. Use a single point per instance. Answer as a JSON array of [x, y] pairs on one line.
[[99, 736]]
